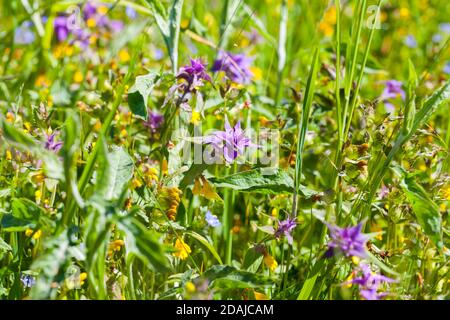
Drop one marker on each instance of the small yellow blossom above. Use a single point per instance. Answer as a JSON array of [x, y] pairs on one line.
[[91, 23], [78, 77], [83, 277], [102, 10], [137, 183], [356, 260], [29, 232], [38, 195], [36, 235], [446, 192], [97, 125], [183, 250], [124, 56], [116, 245], [195, 117], [42, 81], [326, 26], [257, 73], [270, 262], [184, 23], [8, 155], [348, 281], [404, 13], [10, 117], [190, 287], [260, 296]]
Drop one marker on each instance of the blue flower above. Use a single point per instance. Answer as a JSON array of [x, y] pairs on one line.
[[23, 34], [235, 66], [212, 220], [27, 280], [410, 41]]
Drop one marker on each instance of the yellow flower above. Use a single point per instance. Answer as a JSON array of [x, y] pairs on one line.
[[270, 262], [183, 250], [446, 192], [257, 73], [190, 287], [102, 10], [326, 26], [184, 23], [195, 117], [78, 77], [404, 13], [42, 81], [97, 126], [116, 245], [137, 183], [260, 296], [124, 56], [274, 212], [38, 195], [348, 280], [36, 235], [83, 277], [8, 155], [356, 260], [91, 23], [10, 117]]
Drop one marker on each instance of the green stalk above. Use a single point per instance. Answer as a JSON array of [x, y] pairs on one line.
[[361, 73], [303, 126], [281, 50]]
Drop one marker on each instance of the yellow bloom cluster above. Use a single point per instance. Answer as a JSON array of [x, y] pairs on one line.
[[170, 200], [326, 26], [182, 249]]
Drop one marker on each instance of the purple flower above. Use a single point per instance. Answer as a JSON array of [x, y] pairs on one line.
[[236, 67], [51, 144], [410, 41], [392, 90], [211, 219], [285, 228], [231, 142], [154, 121], [384, 192], [23, 34], [369, 282], [349, 240], [61, 29], [193, 74], [89, 10], [27, 280]]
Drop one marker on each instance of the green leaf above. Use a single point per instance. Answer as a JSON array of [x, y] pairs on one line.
[[206, 243], [143, 244], [426, 211], [430, 105], [114, 172], [224, 276], [12, 224], [24, 214], [139, 92], [307, 288], [4, 246], [278, 181], [193, 172]]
